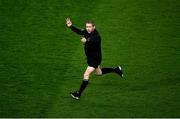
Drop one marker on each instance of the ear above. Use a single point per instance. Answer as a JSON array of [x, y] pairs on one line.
[[94, 27]]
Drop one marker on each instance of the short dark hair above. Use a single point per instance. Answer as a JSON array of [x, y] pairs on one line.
[[90, 22]]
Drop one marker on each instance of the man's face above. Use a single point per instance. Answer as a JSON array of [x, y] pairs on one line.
[[89, 27]]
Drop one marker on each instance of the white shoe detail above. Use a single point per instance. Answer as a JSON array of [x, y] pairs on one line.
[[77, 98], [119, 67], [120, 70]]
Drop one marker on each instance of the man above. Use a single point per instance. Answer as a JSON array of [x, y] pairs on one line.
[[92, 46]]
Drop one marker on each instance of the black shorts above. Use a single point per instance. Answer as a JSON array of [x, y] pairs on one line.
[[94, 62]]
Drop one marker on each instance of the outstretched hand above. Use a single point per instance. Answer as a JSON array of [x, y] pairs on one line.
[[68, 22]]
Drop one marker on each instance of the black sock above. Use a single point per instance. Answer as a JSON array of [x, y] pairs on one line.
[[107, 70], [83, 86]]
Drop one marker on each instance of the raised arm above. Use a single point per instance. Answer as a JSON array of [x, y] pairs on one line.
[[76, 30]]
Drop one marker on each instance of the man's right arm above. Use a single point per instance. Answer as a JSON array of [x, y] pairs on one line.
[[76, 30]]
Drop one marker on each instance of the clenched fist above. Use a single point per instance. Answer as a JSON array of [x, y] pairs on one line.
[[83, 40]]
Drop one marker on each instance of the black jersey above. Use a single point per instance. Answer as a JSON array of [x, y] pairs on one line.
[[92, 45]]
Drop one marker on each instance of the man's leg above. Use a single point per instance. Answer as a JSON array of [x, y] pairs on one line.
[[84, 84], [98, 71], [87, 73], [101, 71]]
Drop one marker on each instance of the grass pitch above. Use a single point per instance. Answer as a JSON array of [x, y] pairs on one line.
[[41, 60]]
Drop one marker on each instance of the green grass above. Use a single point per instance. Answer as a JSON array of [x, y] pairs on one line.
[[41, 60]]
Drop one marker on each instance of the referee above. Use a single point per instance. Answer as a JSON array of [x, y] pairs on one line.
[[92, 47]]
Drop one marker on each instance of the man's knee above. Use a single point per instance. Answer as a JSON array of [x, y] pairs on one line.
[[86, 74], [98, 73], [88, 71]]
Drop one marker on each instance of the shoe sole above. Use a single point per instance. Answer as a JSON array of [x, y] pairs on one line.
[[77, 98], [121, 70]]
